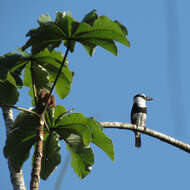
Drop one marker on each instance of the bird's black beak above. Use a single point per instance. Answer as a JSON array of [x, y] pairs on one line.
[[149, 98]]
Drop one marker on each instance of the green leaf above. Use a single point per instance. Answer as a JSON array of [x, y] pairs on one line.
[[8, 93], [49, 116], [90, 48], [64, 81], [82, 156], [46, 65], [104, 29], [76, 122], [7, 63], [100, 139], [51, 62], [60, 111], [21, 139], [92, 31], [82, 29], [90, 17], [51, 34], [53, 57], [48, 35], [123, 28], [40, 77], [106, 44], [11, 79], [53, 115], [51, 156], [65, 21]]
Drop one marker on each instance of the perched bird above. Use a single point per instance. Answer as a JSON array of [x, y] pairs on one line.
[[139, 114]]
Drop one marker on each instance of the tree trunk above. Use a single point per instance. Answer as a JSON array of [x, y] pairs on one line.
[[17, 178], [35, 175]]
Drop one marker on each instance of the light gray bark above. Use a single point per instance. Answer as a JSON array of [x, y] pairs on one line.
[[170, 140], [17, 178]]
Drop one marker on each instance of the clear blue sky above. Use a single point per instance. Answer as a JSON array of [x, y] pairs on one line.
[[157, 64]]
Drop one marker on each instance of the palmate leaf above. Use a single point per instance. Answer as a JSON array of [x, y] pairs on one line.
[[68, 127], [51, 62], [103, 29], [48, 35], [89, 129], [46, 65], [78, 131], [92, 31], [21, 139], [51, 156]]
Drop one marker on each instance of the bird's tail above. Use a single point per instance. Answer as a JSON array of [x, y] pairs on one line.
[[137, 139]]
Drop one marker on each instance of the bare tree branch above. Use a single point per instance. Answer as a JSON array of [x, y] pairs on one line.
[[170, 140]]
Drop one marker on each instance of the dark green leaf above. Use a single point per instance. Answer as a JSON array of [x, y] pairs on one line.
[[65, 21], [106, 44], [90, 48], [40, 77], [60, 111], [82, 156], [46, 64], [64, 81], [7, 63], [21, 139], [51, 156], [104, 29], [100, 139], [8, 93], [90, 17], [51, 34], [82, 29], [49, 116], [53, 57], [123, 28], [70, 44], [76, 122], [48, 35]]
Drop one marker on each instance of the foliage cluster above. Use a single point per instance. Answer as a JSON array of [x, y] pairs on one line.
[[40, 68]]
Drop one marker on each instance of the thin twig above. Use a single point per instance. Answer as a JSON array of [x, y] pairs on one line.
[[170, 140], [19, 108]]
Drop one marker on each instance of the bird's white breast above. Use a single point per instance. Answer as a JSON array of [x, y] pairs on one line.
[[141, 102]]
